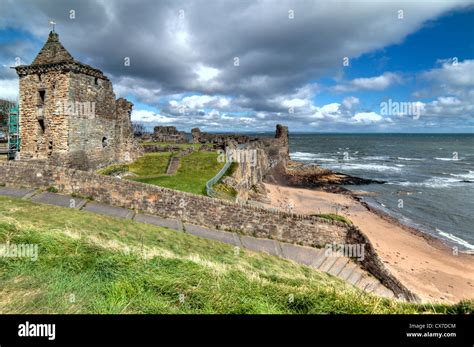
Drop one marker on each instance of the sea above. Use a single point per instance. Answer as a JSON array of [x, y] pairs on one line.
[[429, 177]]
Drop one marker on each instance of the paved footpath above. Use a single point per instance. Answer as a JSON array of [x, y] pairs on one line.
[[342, 267]]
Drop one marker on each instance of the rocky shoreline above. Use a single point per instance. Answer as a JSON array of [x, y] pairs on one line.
[[299, 175]]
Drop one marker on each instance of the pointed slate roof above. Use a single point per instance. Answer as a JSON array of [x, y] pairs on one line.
[[54, 57], [52, 52]]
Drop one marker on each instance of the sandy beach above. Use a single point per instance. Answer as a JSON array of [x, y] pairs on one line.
[[422, 263]]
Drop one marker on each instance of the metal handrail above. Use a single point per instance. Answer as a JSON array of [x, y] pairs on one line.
[[211, 192]]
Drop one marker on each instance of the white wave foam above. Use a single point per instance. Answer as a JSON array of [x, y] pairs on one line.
[[375, 157], [326, 159], [410, 159], [434, 182], [466, 176], [368, 167], [456, 239], [303, 156], [448, 159]]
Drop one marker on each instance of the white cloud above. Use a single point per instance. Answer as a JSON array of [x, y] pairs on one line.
[[453, 85], [9, 89], [350, 101], [452, 75], [197, 102], [367, 117], [369, 83], [149, 116], [332, 111], [206, 73]]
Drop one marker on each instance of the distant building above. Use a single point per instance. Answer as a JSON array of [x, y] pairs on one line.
[[69, 114]]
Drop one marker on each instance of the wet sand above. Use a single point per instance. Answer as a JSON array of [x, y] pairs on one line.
[[422, 263]]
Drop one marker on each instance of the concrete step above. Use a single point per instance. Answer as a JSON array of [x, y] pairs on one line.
[[326, 265], [381, 290], [338, 266], [108, 210], [300, 254], [15, 192], [59, 200], [355, 277], [368, 283], [173, 166], [319, 259], [158, 221], [347, 270]]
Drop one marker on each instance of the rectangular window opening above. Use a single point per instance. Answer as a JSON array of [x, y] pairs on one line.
[[42, 95], [41, 123]]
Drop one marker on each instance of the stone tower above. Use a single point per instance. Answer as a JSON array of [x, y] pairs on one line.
[[69, 114]]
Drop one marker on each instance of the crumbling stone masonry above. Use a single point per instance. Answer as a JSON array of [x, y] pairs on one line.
[[168, 134], [69, 114], [218, 140]]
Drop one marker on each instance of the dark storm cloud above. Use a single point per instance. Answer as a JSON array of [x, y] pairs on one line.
[[168, 42]]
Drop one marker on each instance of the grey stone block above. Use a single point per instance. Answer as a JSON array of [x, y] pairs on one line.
[[355, 277], [338, 266], [158, 221], [261, 245], [347, 270], [212, 234], [108, 210], [59, 200], [328, 263], [15, 192], [301, 254]]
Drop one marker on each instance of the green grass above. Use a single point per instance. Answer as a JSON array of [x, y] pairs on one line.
[[223, 190], [96, 264], [151, 164], [333, 216], [195, 170]]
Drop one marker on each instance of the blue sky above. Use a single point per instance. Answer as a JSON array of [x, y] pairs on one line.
[[290, 71]]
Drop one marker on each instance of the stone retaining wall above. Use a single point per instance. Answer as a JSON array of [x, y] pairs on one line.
[[199, 210], [202, 210]]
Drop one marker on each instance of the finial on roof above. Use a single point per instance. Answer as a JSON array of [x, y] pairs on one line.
[[53, 23], [52, 52]]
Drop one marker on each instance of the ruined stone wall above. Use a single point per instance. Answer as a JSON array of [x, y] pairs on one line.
[[168, 134], [84, 126], [92, 135], [270, 154], [218, 140], [195, 209], [127, 146], [37, 143]]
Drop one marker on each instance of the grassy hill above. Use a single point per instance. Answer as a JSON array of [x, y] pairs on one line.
[[194, 171], [95, 264]]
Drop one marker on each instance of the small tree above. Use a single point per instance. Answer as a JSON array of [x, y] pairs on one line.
[[138, 129]]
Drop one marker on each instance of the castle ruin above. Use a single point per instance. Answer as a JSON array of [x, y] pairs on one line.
[[69, 115], [168, 134]]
